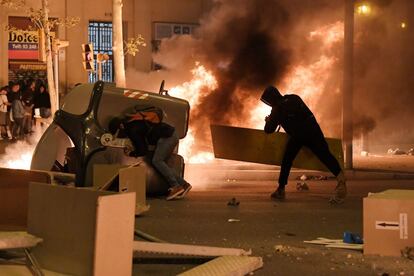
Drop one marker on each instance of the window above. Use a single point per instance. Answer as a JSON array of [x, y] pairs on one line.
[[100, 35], [162, 30]]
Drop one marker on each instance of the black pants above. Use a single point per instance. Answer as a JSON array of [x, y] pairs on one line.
[[311, 137]]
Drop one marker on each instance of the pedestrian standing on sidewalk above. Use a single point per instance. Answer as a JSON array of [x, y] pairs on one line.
[[28, 102], [17, 112], [290, 112], [4, 104], [42, 101]]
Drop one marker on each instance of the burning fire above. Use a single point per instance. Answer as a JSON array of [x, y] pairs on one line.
[[306, 80], [309, 80], [19, 155], [22, 161], [202, 83]]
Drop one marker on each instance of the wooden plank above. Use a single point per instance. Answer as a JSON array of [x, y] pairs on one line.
[[190, 250], [114, 235], [19, 239], [226, 266], [335, 243], [254, 145], [321, 242]]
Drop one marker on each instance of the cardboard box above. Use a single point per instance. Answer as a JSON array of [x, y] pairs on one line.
[[102, 173], [14, 193], [84, 232], [130, 180], [388, 222]]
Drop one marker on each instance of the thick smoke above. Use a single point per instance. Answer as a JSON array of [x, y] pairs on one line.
[[248, 45], [383, 71], [251, 44]]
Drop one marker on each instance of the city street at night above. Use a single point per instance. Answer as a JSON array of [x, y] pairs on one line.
[[272, 230], [206, 137]]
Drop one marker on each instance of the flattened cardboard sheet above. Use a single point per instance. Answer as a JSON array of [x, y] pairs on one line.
[[254, 145]]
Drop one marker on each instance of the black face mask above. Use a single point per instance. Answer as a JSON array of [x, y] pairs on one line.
[[271, 96]]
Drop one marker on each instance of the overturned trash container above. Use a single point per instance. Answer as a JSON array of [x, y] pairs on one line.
[[73, 140]]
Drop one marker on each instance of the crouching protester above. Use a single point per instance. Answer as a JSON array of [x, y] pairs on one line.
[[290, 112], [142, 132]]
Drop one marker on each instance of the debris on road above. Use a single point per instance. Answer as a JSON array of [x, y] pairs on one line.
[[305, 177], [227, 265], [352, 238], [233, 220], [187, 250], [336, 243], [302, 186], [408, 252], [396, 151], [281, 248], [233, 202]]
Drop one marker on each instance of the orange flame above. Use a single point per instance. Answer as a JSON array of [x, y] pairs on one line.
[[306, 80], [202, 82], [19, 155]]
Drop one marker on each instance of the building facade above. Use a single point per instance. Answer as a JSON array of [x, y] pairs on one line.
[[153, 19]]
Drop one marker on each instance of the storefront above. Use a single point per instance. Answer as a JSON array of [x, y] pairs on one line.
[[24, 54]]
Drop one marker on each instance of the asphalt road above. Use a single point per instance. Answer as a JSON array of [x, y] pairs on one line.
[[202, 219]]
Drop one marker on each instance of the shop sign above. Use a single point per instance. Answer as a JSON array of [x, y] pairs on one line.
[[23, 45]]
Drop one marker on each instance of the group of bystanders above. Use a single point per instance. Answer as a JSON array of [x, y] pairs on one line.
[[20, 101]]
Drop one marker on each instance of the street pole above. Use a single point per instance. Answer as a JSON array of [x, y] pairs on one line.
[[347, 89], [99, 70], [56, 73]]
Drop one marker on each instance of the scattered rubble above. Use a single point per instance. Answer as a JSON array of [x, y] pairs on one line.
[[396, 151], [233, 202], [281, 248], [305, 177], [408, 252], [302, 186]]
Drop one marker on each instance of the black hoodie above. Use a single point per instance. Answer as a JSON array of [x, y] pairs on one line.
[[289, 111]]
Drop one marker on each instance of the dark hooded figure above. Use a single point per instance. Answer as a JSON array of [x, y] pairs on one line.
[[290, 112], [163, 136]]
